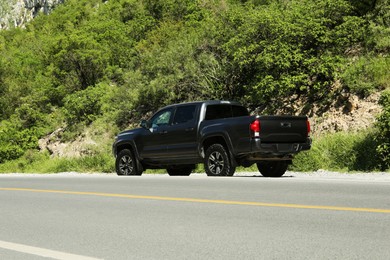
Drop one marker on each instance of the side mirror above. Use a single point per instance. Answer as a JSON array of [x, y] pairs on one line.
[[145, 124]]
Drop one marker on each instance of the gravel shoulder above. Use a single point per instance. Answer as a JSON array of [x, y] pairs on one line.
[[329, 175]]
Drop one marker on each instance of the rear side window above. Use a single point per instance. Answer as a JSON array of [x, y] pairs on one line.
[[239, 111], [218, 111], [225, 111], [184, 114]]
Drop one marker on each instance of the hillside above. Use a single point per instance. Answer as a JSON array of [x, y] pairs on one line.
[[17, 13], [70, 80]]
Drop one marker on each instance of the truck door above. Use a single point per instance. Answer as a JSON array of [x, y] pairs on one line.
[[154, 141], [182, 134]]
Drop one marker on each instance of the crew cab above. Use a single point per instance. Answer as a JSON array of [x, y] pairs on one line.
[[220, 134]]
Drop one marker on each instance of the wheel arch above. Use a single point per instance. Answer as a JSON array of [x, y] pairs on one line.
[[126, 145], [218, 139], [133, 149]]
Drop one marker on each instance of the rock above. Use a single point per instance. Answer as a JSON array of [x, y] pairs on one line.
[[17, 13], [357, 114], [82, 145]]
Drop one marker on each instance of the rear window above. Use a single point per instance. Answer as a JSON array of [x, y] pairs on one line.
[[225, 111]]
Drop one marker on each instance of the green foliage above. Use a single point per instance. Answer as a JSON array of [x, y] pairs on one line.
[[80, 62], [296, 49], [37, 162], [116, 61], [362, 7], [383, 125], [84, 105], [340, 152], [368, 74], [9, 152], [14, 140]]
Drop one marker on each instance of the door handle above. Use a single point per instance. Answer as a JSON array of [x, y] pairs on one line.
[[189, 129], [163, 132]]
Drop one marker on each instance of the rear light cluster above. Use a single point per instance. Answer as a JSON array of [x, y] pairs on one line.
[[255, 127], [308, 127]]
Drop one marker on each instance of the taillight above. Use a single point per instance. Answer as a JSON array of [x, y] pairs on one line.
[[308, 127], [255, 127]]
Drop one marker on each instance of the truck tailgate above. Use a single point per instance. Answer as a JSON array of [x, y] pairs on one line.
[[283, 129]]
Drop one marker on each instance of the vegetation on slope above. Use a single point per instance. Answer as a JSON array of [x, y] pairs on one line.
[[107, 64]]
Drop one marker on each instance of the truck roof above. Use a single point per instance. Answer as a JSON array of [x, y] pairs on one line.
[[206, 102]]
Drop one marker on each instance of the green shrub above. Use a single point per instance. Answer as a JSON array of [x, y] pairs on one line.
[[367, 74], [15, 140], [30, 161], [37, 162], [383, 125], [9, 152], [341, 152], [84, 105]]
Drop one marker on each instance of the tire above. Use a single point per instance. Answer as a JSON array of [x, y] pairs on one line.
[[217, 162], [180, 170], [126, 164], [273, 169]]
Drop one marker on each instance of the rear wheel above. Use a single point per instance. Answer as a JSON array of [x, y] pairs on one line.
[[217, 162], [180, 170], [126, 163], [272, 168]]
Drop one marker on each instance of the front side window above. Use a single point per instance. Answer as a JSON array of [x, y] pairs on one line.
[[161, 118]]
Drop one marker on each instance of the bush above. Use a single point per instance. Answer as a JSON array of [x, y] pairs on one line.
[[37, 162], [9, 152], [341, 152], [383, 125], [367, 74], [15, 140], [84, 105], [297, 49]]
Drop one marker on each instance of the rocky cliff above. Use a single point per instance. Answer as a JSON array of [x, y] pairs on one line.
[[16, 13]]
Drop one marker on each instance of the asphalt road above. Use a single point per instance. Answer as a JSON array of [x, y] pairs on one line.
[[197, 217]]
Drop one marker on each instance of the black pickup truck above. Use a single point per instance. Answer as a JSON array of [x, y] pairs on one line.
[[220, 134]]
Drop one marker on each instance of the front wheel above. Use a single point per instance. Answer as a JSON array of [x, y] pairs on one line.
[[272, 168], [126, 164], [217, 162]]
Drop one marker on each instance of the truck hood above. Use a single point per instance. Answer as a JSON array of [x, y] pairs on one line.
[[123, 134]]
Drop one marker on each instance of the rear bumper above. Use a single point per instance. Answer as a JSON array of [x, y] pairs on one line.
[[279, 149]]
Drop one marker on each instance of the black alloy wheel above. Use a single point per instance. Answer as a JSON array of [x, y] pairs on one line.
[[217, 162], [125, 163]]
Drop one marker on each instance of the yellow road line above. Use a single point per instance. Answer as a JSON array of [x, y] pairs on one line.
[[228, 202]]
